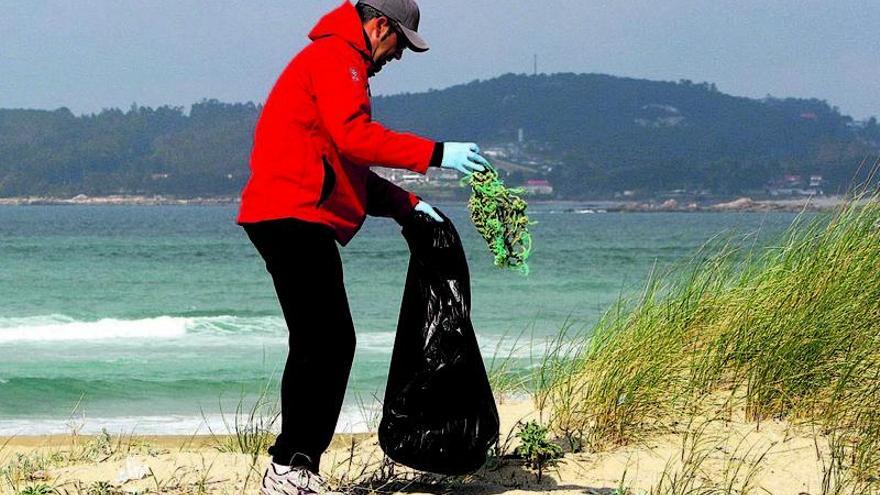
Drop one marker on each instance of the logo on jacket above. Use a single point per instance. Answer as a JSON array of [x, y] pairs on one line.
[[354, 74]]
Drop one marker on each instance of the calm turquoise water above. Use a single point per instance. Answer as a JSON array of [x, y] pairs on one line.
[[153, 318]]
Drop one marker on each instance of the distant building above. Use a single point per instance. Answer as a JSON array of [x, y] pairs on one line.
[[500, 151], [792, 180], [412, 178], [433, 176], [795, 185], [538, 187]]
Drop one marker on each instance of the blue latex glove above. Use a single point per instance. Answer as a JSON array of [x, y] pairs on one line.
[[428, 210], [464, 157]]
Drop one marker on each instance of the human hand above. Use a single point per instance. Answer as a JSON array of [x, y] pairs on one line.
[[428, 210], [464, 157]]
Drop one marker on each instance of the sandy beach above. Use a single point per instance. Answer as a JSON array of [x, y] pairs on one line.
[[776, 457]]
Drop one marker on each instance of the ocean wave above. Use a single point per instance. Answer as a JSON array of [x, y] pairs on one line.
[[199, 330], [56, 328], [64, 328], [353, 419], [499, 346]]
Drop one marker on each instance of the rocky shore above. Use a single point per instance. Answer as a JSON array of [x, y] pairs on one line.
[[740, 204]]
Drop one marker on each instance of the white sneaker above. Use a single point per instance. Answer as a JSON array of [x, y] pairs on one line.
[[297, 481]]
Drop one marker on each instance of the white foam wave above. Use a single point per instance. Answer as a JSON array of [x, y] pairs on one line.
[[237, 325], [490, 345], [64, 328], [60, 328], [353, 419]]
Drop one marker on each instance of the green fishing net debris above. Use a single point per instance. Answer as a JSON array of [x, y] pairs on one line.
[[499, 214]]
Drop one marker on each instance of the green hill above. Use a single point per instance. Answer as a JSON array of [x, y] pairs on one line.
[[600, 133], [615, 133]]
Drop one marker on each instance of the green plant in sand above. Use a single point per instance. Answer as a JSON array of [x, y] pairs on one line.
[[40, 489], [26, 469], [499, 214], [102, 488], [537, 450], [250, 429]]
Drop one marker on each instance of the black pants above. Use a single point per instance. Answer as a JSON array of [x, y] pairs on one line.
[[306, 269]]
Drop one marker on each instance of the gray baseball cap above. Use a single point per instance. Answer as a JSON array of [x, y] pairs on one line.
[[406, 14]]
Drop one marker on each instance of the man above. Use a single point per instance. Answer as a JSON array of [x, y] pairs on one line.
[[310, 187]]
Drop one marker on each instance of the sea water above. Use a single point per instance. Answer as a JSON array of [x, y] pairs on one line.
[[162, 319]]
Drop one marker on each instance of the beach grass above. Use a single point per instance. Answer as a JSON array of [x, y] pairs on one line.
[[698, 469], [249, 426], [784, 330]]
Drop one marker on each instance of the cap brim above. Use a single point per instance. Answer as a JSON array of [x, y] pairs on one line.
[[415, 42]]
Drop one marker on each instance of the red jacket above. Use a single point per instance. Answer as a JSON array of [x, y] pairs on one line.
[[315, 139]]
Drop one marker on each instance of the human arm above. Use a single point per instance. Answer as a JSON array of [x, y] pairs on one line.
[[385, 199], [343, 102]]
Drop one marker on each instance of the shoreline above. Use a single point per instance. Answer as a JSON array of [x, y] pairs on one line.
[[741, 204], [197, 464], [511, 410], [201, 440]]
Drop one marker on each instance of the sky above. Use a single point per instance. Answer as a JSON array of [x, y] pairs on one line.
[[93, 54]]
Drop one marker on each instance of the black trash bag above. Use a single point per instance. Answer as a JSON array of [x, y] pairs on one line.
[[439, 414]]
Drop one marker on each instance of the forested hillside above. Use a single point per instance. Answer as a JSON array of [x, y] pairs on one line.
[[606, 133], [616, 133]]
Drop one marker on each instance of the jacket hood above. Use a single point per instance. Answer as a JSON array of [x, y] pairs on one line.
[[343, 22]]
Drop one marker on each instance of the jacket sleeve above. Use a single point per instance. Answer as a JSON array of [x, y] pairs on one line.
[[343, 102], [384, 199]]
